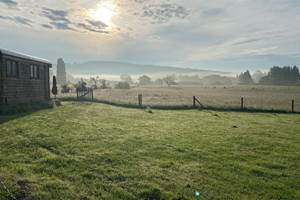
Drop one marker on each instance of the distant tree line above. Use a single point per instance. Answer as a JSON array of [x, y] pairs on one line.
[[282, 75], [276, 76], [245, 78], [127, 81]]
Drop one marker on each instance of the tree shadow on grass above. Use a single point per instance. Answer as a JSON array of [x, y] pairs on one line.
[[8, 113]]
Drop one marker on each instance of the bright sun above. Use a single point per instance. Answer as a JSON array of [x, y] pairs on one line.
[[104, 12]]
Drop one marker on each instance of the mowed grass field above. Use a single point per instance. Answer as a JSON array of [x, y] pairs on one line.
[[255, 97], [94, 151]]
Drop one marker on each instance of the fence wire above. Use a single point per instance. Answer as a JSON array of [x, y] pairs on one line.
[[255, 99]]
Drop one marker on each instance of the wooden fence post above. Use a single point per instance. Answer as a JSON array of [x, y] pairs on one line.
[[242, 103], [194, 101], [140, 99], [293, 106], [92, 94]]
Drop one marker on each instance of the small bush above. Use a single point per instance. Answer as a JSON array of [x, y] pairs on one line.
[[65, 89], [122, 85], [149, 110], [56, 102]]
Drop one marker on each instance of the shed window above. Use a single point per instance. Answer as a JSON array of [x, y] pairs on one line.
[[12, 68], [34, 72]]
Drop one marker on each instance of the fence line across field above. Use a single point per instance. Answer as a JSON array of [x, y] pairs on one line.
[[196, 102], [88, 94]]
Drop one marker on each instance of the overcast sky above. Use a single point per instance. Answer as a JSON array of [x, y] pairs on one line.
[[229, 35]]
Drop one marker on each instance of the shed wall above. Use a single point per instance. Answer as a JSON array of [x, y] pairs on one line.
[[23, 88]]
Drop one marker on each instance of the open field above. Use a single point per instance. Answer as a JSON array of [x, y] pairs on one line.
[[256, 97], [94, 151]]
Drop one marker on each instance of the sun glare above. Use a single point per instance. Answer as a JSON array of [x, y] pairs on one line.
[[104, 12]]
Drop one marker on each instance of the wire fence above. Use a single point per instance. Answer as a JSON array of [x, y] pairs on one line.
[[176, 98]]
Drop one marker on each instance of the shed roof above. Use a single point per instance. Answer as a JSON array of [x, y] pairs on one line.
[[24, 56]]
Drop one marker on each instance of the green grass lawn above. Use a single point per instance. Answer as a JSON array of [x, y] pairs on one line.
[[94, 151]]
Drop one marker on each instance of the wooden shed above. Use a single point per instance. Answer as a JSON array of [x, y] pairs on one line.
[[23, 78]]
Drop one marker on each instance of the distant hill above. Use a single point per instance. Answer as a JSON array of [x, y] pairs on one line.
[[117, 68]]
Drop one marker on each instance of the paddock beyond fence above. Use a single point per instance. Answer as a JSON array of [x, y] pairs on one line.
[[280, 99]]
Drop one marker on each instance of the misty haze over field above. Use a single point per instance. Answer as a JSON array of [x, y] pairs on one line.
[[113, 70]]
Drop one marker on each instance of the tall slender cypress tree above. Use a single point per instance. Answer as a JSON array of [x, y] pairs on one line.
[[54, 87]]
